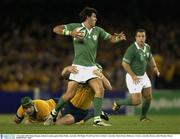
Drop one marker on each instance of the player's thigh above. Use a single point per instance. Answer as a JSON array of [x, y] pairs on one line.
[[97, 86], [147, 94], [147, 90], [66, 120], [71, 90]]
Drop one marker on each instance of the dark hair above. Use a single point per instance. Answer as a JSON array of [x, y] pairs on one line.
[[86, 12], [140, 30]]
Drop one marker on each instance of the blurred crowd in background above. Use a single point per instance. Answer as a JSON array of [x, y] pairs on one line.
[[32, 56]]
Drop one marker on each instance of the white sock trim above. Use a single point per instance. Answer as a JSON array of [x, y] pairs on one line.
[[97, 118], [54, 112]]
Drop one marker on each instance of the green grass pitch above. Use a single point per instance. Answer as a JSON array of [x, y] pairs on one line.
[[169, 124]]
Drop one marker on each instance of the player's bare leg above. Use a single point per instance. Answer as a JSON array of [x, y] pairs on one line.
[[133, 100], [65, 120]]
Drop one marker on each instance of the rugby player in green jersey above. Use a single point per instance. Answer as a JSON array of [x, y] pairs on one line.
[[85, 40], [135, 62]]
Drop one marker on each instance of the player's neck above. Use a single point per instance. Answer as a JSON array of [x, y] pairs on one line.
[[140, 45], [87, 25]]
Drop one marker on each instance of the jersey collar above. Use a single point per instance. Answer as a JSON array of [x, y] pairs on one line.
[[89, 30], [137, 46], [35, 108]]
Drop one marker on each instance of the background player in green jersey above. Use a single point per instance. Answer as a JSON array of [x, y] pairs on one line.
[[135, 61], [85, 40]]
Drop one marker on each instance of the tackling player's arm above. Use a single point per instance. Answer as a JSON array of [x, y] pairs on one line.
[[19, 115], [67, 70], [106, 83]]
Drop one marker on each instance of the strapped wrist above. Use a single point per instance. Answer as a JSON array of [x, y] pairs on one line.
[[117, 39], [66, 32]]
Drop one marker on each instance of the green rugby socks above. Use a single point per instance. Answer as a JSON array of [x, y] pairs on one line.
[[127, 102], [145, 108], [97, 102]]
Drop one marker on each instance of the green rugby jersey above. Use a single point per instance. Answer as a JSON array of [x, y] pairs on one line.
[[86, 49], [138, 58]]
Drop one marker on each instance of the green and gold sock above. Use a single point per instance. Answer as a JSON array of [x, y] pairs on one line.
[[59, 105]]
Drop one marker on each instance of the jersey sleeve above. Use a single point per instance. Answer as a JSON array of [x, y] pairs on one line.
[[20, 114], [129, 54], [150, 54], [103, 34], [71, 26]]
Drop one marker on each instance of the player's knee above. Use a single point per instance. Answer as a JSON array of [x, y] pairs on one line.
[[148, 98], [136, 102], [99, 91]]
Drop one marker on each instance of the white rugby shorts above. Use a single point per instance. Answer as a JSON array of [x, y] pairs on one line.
[[137, 88], [84, 73]]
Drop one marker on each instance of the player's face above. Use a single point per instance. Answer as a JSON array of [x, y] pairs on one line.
[[29, 110], [92, 19], [140, 38]]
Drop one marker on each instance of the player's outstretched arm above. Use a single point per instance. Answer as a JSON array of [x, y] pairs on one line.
[[61, 30], [117, 37], [18, 120]]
